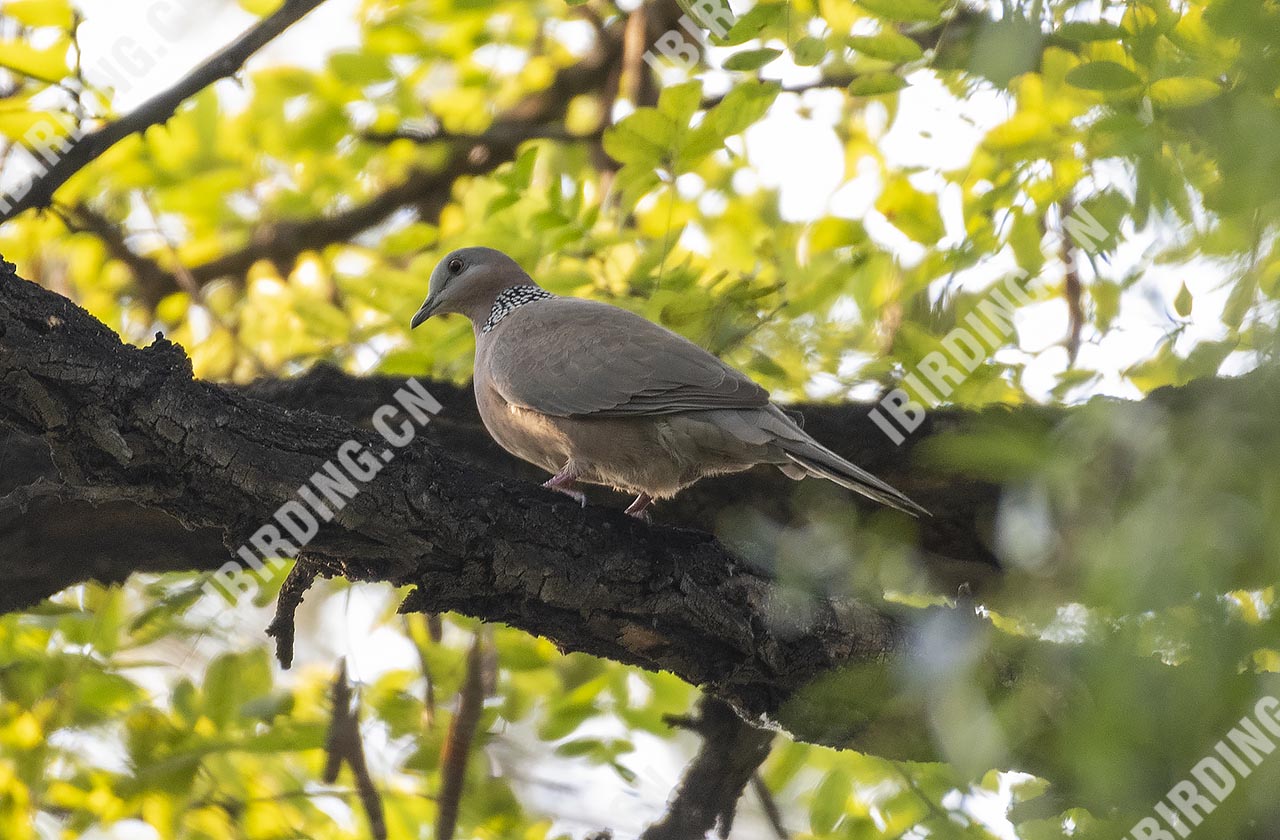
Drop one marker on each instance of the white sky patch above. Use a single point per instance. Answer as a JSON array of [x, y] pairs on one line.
[[801, 158], [936, 130], [204, 28]]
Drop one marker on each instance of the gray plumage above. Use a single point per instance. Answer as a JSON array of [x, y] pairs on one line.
[[597, 394]]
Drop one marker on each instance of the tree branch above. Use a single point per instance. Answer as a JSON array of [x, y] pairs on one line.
[[79, 153], [129, 434], [713, 783], [428, 190], [134, 425], [455, 753], [344, 745]]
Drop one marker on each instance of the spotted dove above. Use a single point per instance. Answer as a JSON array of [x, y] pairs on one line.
[[593, 393]]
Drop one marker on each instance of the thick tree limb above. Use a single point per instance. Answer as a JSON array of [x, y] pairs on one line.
[[132, 426], [954, 543], [225, 63], [126, 430]]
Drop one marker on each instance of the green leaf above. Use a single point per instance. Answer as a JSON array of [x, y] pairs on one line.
[[1082, 31], [47, 65], [1024, 238], [1029, 789], [809, 52], [829, 801], [634, 182], [1106, 302], [15, 123], [269, 706], [741, 108], [643, 138], [913, 212], [564, 718], [1102, 75], [877, 84], [1182, 301], [105, 695], [888, 45], [750, 25], [680, 102], [1205, 360], [833, 232], [232, 680], [751, 59], [360, 67], [520, 175], [1182, 91], [904, 10], [161, 617], [1005, 49]]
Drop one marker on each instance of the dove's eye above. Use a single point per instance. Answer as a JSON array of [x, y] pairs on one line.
[[455, 265]]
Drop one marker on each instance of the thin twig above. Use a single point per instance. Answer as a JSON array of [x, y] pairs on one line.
[[769, 806], [1072, 288], [343, 745], [457, 746], [417, 627], [79, 153]]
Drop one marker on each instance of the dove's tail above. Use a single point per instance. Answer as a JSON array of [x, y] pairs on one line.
[[815, 459]]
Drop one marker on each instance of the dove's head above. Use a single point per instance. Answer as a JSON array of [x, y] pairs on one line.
[[467, 281]]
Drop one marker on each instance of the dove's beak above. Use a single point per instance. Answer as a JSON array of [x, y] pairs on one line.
[[428, 307]]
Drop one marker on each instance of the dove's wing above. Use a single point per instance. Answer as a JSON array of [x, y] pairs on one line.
[[570, 357]]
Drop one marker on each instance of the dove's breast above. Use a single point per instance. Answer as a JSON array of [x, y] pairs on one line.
[[526, 434]]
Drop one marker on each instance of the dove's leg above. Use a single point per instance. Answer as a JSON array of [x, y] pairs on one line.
[[563, 482], [639, 507]]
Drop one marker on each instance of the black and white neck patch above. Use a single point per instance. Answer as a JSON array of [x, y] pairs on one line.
[[512, 299]]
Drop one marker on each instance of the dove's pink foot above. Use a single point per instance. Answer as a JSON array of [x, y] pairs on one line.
[[563, 482], [639, 508]]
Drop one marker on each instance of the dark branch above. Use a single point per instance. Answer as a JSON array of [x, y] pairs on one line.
[[456, 751], [135, 427], [713, 783], [154, 281], [295, 587], [344, 745], [78, 154], [127, 433], [769, 806]]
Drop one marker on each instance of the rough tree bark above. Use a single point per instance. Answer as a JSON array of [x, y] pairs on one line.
[[130, 429], [116, 460]]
